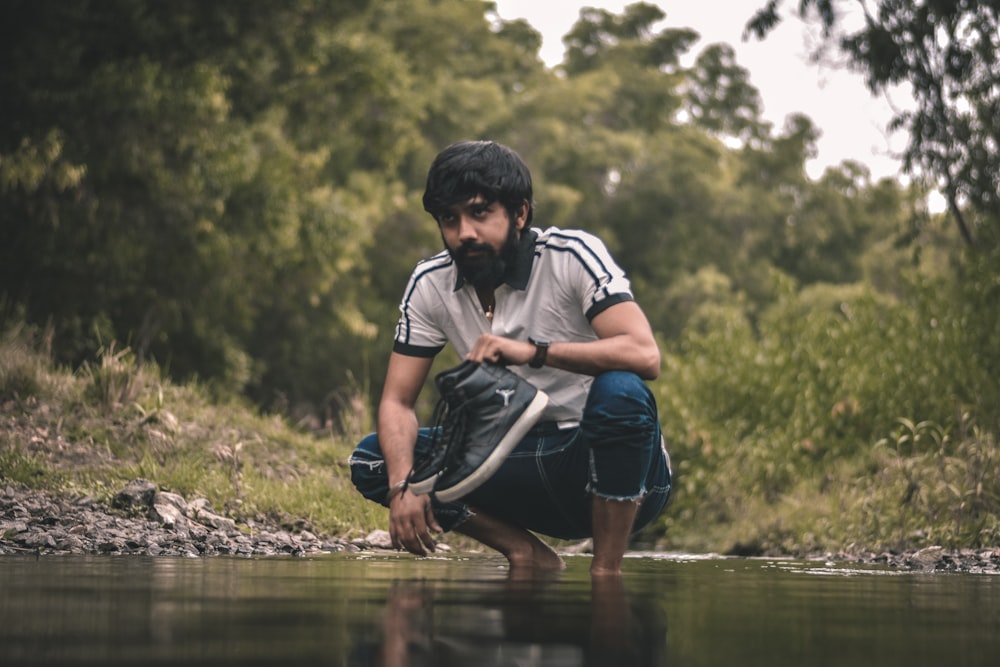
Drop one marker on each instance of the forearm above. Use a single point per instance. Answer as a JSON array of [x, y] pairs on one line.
[[625, 342], [616, 353], [410, 518], [397, 434]]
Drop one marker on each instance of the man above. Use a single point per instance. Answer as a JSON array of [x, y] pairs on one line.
[[554, 307]]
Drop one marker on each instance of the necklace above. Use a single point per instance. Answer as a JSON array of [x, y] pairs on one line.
[[488, 303]]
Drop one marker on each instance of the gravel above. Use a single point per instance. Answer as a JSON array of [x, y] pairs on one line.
[[143, 520]]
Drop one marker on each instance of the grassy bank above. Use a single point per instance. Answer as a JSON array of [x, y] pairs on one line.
[[87, 433], [840, 418], [769, 460]]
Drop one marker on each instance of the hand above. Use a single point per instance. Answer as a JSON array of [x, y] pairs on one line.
[[500, 350], [411, 522]]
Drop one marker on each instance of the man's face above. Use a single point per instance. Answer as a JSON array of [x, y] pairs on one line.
[[481, 238]]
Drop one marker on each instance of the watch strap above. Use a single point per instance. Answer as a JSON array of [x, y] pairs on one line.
[[541, 352]]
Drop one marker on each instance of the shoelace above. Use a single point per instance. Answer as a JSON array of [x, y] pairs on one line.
[[450, 424]]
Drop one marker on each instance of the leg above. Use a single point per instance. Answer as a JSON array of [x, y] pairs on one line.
[[628, 469], [612, 523], [522, 548], [603, 480], [369, 476]]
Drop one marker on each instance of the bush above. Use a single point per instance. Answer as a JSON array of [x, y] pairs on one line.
[[779, 428], [23, 368]]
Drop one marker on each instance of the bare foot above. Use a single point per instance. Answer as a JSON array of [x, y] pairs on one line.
[[535, 555], [522, 548]]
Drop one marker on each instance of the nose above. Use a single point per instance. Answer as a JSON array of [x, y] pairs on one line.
[[467, 230]]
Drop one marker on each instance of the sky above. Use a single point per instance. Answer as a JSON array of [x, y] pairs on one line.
[[852, 122]]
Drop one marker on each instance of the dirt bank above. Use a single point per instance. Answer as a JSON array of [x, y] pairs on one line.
[[142, 520], [145, 521]]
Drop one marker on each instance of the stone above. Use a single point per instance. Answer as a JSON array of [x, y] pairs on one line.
[[137, 495]]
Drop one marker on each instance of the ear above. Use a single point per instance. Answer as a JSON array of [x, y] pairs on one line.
[[522, 216]]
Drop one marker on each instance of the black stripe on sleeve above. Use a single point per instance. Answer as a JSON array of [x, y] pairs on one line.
[[415, 350], [604, 304]]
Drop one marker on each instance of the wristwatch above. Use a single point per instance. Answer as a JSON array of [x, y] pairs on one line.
[[541, 351]]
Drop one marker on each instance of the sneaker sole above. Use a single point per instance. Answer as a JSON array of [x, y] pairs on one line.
[[424, 485], [492, 463]]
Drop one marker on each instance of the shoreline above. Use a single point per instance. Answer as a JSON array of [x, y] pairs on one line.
[[143, 521]]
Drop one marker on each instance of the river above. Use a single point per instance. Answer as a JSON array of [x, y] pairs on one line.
[[379, 609]]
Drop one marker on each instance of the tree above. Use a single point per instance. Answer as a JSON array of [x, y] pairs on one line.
[[720, 97], [174, 175], [949, 53]]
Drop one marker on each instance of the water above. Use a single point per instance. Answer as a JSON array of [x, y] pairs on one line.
[[397, 610]]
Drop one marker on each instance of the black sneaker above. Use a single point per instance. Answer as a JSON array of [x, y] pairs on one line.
[[489, 410], [449, 423]]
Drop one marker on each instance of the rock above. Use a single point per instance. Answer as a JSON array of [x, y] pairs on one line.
[[37, 540], [199, 510], [928, 558], [379, 539], [168, 509], [70, 543], [137, 495]]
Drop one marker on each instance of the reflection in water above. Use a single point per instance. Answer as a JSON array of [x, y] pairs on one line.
[[520, 621], [363, 609]]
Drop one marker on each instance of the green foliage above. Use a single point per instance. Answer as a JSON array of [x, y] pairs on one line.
[[114, 381], [946, 53], [20, 371], [843, 416], [181, 438], [22, 468], [955, 507], [26, 372]]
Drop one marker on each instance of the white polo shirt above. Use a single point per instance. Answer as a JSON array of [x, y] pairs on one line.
[[559, 282]]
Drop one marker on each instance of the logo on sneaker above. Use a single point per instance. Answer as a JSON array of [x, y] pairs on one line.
[[506, 393]]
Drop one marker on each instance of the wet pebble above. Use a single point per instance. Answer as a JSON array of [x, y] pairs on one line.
[[144, 520], [931, 559]]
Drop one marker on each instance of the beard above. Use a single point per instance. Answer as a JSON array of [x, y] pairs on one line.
[[485, 269]]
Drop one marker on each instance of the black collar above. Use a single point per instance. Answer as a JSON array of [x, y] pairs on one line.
[[516, 274]]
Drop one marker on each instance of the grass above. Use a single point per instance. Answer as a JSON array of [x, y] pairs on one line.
[[868, 427], [745, 483], [91, 431]]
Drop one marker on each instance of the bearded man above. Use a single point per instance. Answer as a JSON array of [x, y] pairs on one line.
[[554, 307]]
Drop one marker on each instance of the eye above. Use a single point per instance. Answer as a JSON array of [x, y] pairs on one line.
[[448, 218]]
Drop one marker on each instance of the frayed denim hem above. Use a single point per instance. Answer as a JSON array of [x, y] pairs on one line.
[[371, 464], [624, 499]]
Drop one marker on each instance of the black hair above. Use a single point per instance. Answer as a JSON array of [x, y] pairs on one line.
[[470, 168]]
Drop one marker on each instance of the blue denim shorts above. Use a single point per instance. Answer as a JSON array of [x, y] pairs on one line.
[[547, 482]]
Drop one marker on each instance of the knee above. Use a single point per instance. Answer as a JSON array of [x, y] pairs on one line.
[[620, 397], [368, 447], [367, 465]]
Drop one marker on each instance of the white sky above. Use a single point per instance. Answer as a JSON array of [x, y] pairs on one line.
[[852, 122]]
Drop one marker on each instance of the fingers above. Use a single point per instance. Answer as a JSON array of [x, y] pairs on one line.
[[485, 349], [500, 350], [415, 538], [410, 524], [432, 521]]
